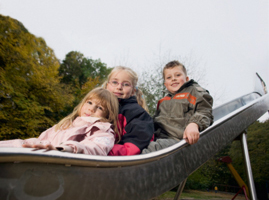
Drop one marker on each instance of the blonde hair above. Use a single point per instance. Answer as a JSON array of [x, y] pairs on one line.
[[111, 107], [134, 79]]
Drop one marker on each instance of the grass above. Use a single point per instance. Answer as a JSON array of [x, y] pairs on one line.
[[195, 194]]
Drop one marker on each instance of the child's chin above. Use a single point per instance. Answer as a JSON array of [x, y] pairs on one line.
[[174, 90]]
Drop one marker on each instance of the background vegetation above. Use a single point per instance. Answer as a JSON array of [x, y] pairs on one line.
[[37, 90]]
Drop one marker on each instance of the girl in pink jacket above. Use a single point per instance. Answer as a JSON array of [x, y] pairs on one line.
[[90, 129]]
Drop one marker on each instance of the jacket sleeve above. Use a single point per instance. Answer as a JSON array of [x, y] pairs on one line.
[[19, 142], [96, 142], [202, 116], [126, 149], [11, 143], [139, 131], [46, 135]]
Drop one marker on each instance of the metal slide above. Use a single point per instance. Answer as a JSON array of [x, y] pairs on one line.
[[39, 175]]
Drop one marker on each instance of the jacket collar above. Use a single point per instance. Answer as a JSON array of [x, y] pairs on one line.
[[132, 99], [86, 119], [187, 84]]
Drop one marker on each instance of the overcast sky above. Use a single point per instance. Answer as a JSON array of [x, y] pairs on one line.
[[228, 39]]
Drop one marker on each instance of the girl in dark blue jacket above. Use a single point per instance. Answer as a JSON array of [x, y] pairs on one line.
[[135, 124]]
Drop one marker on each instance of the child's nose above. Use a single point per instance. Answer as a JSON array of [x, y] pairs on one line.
[[119, 86], [92, 108]]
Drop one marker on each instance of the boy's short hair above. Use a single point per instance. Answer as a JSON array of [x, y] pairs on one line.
[[173, 64]]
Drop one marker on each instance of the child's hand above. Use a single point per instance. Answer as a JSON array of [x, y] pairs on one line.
[[191, 133], [39, 145]]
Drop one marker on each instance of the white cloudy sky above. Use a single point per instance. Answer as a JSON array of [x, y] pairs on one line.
[[228, 39]]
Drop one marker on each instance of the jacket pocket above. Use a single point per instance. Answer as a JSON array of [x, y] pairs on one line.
[[180, 109]]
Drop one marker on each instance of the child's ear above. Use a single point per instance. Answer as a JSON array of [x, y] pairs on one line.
[[187, 78], [164, 84], [134, 91]]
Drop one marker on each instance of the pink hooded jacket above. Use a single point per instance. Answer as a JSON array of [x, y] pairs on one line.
[[87, 135]]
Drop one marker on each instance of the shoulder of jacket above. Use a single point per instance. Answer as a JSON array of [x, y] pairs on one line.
[[132, 111], [199, 88], [103, 126], [131, 105], [167, 97]]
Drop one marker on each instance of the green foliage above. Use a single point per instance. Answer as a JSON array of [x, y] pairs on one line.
[[258, 146], [217, 173], [81, 75], [30, 91], [199, 180], [75, 70], [36, 90], [211, 173]]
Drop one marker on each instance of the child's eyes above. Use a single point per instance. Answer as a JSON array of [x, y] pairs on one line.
[[177, 75], [100, 108], [96, 105], [126, 84]]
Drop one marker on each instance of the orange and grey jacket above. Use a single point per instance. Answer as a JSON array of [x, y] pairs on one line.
[[191, 103]]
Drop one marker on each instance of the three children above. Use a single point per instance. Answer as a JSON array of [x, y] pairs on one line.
[[119, 112]]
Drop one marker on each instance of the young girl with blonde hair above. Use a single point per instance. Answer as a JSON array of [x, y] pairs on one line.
[[90, 129], [135, 124]]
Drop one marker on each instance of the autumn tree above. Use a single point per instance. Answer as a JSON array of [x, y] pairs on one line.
[[30, 91], [81, 74], [75, 69]]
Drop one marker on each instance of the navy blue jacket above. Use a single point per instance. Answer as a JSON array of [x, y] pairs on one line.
[[137, 128]]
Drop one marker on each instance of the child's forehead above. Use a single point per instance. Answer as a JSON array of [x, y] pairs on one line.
[[174, 69], [95, 99], [122, 76]]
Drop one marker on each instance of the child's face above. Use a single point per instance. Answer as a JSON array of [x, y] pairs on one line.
[[92, 108], [174, 78], [120, 84]]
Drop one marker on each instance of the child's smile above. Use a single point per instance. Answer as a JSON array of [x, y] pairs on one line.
[[174, 84]]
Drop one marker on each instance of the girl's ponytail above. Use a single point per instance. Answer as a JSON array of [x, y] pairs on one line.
[[141, 99]]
